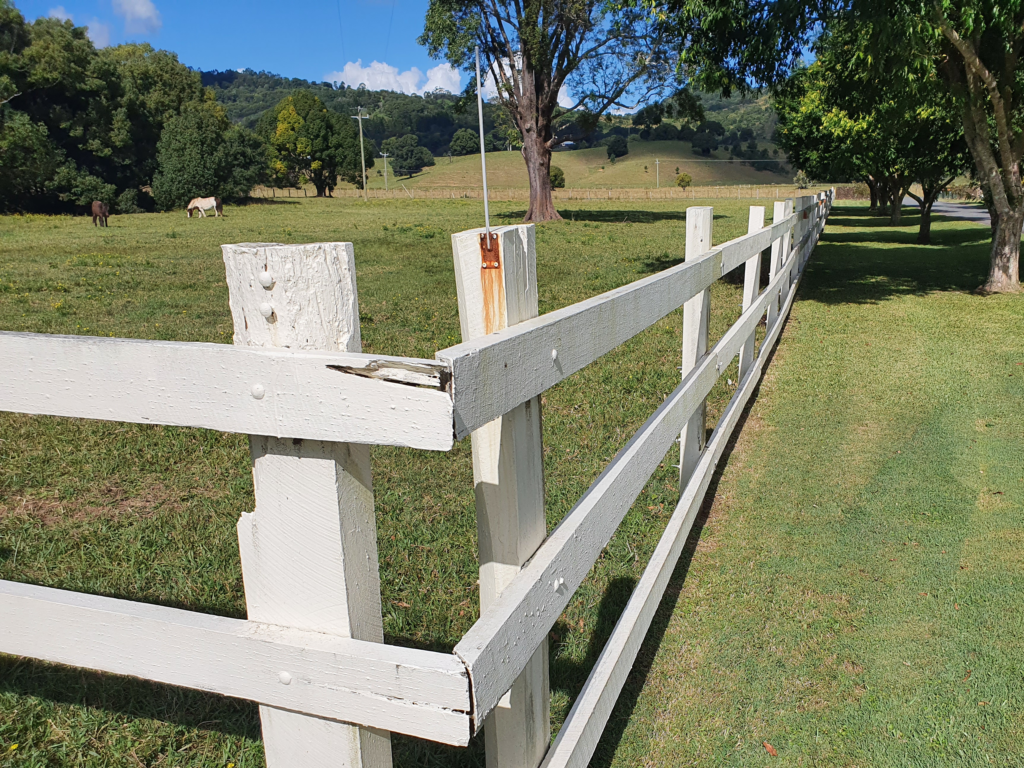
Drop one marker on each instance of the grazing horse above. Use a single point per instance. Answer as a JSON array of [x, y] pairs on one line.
[[100, 211], [203, 204]]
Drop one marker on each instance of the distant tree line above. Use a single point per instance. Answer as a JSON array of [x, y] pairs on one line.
[[128, 125]]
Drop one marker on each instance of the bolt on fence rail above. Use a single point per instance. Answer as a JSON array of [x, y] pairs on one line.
[[311, 651]]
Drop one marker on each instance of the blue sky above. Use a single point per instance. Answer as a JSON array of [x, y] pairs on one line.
[[371, 41]]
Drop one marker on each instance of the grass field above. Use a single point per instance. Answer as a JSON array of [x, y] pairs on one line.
[[149, 513], [590, 168], [854, 487]]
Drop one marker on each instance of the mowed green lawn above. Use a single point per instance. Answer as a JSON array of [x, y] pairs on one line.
[[881, 461], [857, 594]]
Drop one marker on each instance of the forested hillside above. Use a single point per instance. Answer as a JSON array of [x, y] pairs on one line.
[[435, 117]]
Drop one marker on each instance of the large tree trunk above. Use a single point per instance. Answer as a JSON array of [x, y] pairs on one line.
[[1004, 266], [873, 189], [990, 203], [538, 167], [1002, 184], [924, 232], [896, 199]]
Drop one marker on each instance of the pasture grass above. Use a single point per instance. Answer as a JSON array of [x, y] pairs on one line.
[[591, 169], [796, 615], [855, 598], [148, 513]]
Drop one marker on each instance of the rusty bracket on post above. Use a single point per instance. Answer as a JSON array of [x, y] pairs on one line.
[[490, 252]]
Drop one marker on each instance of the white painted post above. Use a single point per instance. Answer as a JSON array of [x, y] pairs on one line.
[[309, 550], [780, 252], [751, 287], [696, 314], [497, 288]]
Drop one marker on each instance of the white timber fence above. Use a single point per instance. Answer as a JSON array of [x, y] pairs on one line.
[[311, 650]]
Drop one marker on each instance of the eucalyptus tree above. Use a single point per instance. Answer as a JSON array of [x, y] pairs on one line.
[[606, 55]]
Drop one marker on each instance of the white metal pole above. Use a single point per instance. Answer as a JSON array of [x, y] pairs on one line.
[[385, 156], [483, 154]]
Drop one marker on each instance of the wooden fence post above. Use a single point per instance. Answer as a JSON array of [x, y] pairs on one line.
[[751, 287], [309, 550], [696, 314], [780, 252], [497, 288]]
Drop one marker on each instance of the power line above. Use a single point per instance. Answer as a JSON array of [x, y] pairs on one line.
[[341, 32], [387, 41]]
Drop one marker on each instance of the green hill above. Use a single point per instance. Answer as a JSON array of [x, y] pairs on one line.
[[590, 168]]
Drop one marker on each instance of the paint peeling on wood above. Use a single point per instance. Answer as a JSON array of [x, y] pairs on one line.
[[397, 372]]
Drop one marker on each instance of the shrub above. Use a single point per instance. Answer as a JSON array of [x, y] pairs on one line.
[[465, 142], [801, 180], [617, 147], [665, 132], [683, 180], [557, 176]]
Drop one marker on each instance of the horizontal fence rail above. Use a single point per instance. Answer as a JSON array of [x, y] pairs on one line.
[[417, 692], [497, 648], [494, 374], [315, 683], [522, 194], [284, 393]]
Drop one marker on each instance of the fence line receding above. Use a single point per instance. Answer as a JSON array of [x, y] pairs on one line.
[[311, 652]]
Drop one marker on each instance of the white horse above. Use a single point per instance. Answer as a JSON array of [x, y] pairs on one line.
[[203, 204]]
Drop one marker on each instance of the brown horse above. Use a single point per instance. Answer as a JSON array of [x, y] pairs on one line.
[[100, 211]]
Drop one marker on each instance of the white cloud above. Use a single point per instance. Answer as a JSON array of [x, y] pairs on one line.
[[99, 33], [443, 76], [59, 13], [379, 76], [140, 16]]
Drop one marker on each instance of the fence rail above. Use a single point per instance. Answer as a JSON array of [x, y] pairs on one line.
[[311, 651], [517, 194]]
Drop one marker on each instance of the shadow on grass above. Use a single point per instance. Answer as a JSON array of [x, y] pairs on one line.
[[636, 680], [886, 262], [268, 201], [129, 696]]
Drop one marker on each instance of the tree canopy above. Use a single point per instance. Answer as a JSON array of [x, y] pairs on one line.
[[406, 155], [604, 54], [79, 124], [311, 143]]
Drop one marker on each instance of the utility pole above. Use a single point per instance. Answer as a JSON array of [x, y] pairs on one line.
[[362, 157], [385, 156], [657, 172]]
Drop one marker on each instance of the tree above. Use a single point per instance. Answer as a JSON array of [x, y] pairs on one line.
[[407, 157], [617, 147], [557, 177], [201, 155], [465, 142], [683, 180], [704, 142], [95, 116], [604, 53], [311, 143], [665, 132], [648, 117], [840, 120], [974, 45]]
